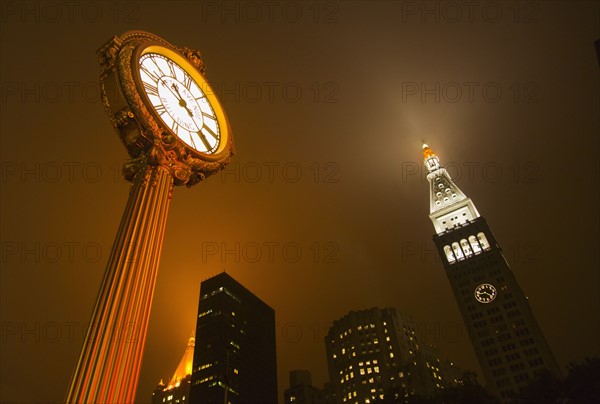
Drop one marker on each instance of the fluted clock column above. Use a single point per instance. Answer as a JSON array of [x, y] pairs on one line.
[[112, 353], [177, 134]]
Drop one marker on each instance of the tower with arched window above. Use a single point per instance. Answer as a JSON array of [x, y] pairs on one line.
[[507, 340]]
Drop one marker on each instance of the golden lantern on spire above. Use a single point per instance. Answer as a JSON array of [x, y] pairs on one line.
[[427, 152]]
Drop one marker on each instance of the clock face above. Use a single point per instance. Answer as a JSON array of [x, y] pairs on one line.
[[485, 293], [178, 99]]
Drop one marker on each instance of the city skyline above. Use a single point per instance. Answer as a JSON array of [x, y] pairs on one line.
[[323, 210]]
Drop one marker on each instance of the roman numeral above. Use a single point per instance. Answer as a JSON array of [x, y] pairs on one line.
[[210, 132], [151, 89], [209, 116], [152, 75], [160, 108], [192, 139], [172, 69], [158, 67], [187, 81]]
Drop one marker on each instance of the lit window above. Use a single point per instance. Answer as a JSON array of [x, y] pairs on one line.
[[449, 254], [466, 247], [474, 244], [483, 241]]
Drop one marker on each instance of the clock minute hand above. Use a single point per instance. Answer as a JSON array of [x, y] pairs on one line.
[[181, 100]]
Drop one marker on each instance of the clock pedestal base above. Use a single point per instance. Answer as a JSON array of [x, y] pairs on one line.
[[110, 361]]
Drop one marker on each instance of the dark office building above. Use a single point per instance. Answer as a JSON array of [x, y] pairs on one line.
[[509, 344], [234, 358]]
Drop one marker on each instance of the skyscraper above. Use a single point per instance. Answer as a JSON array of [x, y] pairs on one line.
[[375, 355], [234, 359], [507, 340], [177, 390]]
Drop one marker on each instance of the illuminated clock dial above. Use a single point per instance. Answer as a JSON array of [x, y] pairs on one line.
[[180, 103], [485, 293]]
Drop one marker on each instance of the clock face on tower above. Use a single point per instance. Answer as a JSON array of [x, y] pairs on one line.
[[182, 99], [485, 293]]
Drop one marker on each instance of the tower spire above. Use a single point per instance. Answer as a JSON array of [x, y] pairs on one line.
[[448, 205], [429, 158]]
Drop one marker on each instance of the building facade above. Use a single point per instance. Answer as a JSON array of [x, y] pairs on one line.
[[177, 390], [234, 360], [507, 340], [374, 355]]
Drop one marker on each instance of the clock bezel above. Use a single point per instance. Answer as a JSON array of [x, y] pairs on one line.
[[223, 150]]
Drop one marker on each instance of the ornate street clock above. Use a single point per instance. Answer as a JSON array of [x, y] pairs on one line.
[[176, 132], [162, 106]]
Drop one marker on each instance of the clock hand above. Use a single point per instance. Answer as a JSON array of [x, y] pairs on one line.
[[182, 102]]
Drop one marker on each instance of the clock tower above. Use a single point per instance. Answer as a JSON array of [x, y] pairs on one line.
[[508, 342]]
